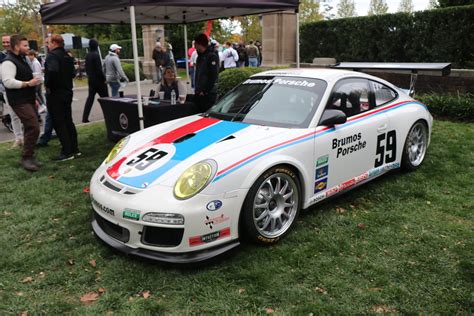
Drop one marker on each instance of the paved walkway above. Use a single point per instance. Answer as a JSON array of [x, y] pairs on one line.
[[80, 96]]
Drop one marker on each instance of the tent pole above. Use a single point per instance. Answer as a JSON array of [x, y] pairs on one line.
[[44, 35], [186, 57], [297, 40], [136, 65]]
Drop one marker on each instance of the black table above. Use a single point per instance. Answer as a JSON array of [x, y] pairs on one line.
[[121, 114]]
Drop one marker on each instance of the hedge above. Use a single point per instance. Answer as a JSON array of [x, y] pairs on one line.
[[129, 70], [440, 35], [127, 49], [455, 107], [230, 78]]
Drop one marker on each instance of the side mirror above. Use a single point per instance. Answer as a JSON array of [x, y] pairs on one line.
[[332, 117]]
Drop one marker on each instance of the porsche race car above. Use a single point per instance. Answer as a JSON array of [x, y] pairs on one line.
[[283, 140]]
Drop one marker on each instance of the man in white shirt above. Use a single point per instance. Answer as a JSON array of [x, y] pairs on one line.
[[20, 85], [230, 56], [15, 120]]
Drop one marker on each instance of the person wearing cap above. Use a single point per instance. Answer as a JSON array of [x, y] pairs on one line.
[[206, 73], [96, 78], [114, 73]]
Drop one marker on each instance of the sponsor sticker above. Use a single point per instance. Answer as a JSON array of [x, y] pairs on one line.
[[321, 172], [320, 185], [214, 205], [322, 160], [204, 239], [215, 220], [103, 208], [131, 214], [318, 198]]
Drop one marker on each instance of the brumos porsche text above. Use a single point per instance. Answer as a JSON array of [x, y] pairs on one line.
[[348, 145]]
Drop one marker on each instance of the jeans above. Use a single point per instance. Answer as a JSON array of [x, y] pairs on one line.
[[191, 74], [48, 130], [159, 74], [253, 61], [101, 89], [114, 86]]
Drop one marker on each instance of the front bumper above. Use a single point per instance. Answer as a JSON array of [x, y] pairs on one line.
[[189, 257], [206, 232]]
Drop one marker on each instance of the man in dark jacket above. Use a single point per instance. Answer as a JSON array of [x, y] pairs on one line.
[[207, 73], [59, 72], [96, 78], [20, 89]]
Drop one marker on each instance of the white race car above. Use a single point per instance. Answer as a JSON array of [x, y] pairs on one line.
[[190, 189]]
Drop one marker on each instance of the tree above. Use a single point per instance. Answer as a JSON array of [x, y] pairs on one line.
[[309, 11], [406, 6], [454, 3], [346, 9], [433, 4], [251, 28], [21, 17], [378, 7]]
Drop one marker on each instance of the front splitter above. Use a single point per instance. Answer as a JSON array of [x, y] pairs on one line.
[[188, 257]]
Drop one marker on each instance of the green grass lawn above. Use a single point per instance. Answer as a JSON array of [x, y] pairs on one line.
[[403, 243]]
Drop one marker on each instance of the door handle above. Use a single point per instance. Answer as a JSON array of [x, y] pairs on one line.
[[382, 128]]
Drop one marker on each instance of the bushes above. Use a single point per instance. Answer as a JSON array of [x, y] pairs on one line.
[[230, 78], [456, 107], [129, 70], [127, 50], [441, 35]]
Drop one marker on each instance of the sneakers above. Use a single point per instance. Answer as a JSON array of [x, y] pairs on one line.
[[30, 164], [77, 154], [63, 157], [85, 121], [17, 144]]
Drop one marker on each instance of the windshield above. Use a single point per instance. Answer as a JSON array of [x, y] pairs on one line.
[[271, 101]]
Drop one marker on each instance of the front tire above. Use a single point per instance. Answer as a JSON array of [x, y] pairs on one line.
[[415, 147], [271, 206]]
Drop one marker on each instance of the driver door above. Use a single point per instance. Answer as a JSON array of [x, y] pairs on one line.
[[346, 152]]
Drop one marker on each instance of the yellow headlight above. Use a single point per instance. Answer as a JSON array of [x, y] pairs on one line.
[[117, 148], [194, 179]]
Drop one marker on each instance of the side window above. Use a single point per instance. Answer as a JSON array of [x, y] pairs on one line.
[[383, 94], [351, 96]]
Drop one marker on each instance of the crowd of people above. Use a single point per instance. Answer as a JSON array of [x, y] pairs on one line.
[[22, 76], [231, 55]]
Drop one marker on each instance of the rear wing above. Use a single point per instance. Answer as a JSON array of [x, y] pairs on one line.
[[439, 69]]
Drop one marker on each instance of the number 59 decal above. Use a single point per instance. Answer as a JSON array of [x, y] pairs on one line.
[[147, 158], [386, 148]]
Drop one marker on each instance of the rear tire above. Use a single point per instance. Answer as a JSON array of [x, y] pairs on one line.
[[271, 206], [416, 143]]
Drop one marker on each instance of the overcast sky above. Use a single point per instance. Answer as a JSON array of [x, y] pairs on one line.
[[362, 6]]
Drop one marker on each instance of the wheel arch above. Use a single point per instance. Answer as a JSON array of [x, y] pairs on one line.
[[257, 172]]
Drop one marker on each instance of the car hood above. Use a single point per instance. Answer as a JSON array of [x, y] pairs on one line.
[[164, 151]]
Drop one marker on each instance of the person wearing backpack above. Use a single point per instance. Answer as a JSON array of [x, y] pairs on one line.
[[59, 72]]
